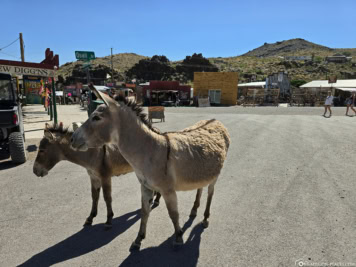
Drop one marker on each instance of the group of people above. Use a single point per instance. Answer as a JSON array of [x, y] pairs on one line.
[[350, 103]]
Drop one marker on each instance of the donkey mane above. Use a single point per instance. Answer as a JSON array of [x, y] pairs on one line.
[[138, 110], [53, 128]]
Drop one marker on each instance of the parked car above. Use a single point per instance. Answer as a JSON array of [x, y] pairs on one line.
[[12, 135]]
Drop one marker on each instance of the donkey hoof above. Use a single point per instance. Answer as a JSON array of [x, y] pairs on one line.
[[135, 246], [193, 214], [155, 205], [205, 224]]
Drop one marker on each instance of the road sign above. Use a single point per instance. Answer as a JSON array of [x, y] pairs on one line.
[[84, 55]]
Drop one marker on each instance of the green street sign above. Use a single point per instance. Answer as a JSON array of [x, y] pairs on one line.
[[84, 55]]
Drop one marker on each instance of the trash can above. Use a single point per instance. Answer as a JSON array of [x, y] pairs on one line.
[[93, 105]]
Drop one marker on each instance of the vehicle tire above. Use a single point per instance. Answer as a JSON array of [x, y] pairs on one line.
[[17, 147]]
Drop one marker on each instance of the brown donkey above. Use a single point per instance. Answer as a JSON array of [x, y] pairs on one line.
[[100, 163], [166, 163]]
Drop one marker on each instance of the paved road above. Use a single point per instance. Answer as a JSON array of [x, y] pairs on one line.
[[286, 193]]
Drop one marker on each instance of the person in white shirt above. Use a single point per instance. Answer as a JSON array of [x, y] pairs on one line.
[[328, 102]]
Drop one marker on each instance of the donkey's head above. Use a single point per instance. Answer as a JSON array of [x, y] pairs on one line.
[[49, 152], [100, 127]]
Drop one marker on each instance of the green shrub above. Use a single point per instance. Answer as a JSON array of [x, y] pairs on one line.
[[297, 83]]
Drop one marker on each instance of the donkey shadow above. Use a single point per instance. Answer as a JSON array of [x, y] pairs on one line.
[[85, 241], [165, 255]]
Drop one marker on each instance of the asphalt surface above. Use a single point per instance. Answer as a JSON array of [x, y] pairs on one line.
[[286, 194]]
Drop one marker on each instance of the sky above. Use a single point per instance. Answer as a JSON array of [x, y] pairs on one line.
[[176, 29]]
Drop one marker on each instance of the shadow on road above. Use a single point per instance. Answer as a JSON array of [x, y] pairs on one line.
[[7, 165], [85, 241], [32, 148], [165, 255]]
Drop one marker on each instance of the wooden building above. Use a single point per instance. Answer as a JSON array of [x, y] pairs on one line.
[[220, 87], [279, 81]]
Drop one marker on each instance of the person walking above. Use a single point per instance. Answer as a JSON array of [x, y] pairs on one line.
[[350, 102], [328, 102]]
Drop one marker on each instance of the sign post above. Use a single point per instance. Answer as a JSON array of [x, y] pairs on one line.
[[85, 56], [54, 102]]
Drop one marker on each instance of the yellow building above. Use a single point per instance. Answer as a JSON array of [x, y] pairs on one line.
[[221, 87]]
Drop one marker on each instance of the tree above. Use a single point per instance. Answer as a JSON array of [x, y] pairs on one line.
[[195, 63], [156, 68], [297, 83]]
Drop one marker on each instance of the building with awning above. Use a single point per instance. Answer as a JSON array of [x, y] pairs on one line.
[[32, 76], [325, 85], [341, 89]]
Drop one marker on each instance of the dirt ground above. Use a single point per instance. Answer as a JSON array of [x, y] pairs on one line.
[[286, 195]]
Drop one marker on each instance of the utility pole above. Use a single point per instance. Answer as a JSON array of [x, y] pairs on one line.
[[22, 49], [112, 69], [54, 102]]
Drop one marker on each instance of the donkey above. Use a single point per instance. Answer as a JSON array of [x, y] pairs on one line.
[[100, 163], [174, 161]]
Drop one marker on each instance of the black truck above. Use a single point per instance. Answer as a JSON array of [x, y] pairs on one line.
[[12, 136]]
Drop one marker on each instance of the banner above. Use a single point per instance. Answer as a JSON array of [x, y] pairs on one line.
[[33, 89], [16, 70]]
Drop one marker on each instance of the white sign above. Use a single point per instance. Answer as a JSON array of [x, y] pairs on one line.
[[16, 70]]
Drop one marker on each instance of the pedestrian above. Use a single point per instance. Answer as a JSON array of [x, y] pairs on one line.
[[328, 102], [350, 102]]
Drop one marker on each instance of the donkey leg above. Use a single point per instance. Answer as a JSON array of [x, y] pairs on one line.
[[146, 200], [193, 213], [205, 222], [156, 201], [108, 200], [172, 205], [95, 193]]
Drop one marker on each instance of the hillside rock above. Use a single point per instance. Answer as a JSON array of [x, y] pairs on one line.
[[283, 47]]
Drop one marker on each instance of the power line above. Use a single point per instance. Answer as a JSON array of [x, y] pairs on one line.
[[9, 44], [9, 55]]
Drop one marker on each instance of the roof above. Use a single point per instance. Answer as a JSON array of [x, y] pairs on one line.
[[253, 84], [347, 89], [326, 84]]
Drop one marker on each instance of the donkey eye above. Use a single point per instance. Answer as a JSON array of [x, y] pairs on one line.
[[96, 118]]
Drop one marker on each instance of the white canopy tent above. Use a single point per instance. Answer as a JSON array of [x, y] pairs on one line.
[[325, 84], [347, 89]]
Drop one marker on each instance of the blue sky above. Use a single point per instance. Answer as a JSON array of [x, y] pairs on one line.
[[171, 28]]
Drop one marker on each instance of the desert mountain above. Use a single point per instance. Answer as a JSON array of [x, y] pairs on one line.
[[256, 64], [289, 47]]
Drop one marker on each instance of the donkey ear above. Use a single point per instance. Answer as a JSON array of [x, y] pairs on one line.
[[46, 126], [106, 99], [49, 135]]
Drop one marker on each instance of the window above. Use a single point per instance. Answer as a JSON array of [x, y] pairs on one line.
[[6, 91], [215, 96]]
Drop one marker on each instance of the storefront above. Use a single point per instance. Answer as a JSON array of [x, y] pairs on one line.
[[33, 76]]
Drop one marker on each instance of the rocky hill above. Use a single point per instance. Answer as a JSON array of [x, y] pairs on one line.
[[272, 58], [289, 47], [258, 63], [121, 63]]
